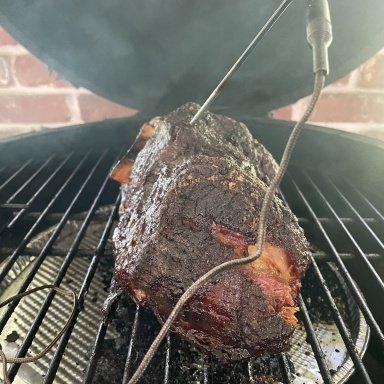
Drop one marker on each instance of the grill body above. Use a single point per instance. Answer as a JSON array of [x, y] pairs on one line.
[[58, 179]]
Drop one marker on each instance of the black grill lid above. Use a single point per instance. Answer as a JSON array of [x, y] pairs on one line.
[[157, 54]]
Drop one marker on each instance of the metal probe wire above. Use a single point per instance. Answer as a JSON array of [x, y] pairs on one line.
[[263, 31], [255, 251], [4, 360]]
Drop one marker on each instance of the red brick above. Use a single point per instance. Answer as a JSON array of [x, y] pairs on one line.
[[283, 113], [94, 108], [359, 107], [33, 109], [6, 78], [31, 72], [371, 74], [342, 82], [6, 38]]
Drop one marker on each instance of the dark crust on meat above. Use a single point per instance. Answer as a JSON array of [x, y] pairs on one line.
[[186, 179]]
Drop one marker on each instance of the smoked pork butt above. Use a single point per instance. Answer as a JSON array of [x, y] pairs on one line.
[[191, 199]]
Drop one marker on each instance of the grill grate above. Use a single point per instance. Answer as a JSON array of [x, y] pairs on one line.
[[344, 224]]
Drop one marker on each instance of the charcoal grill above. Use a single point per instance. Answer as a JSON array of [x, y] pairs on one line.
[[58, 206], [56, 181]]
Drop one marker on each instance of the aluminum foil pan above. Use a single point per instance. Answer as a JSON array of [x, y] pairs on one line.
[[75, 358]]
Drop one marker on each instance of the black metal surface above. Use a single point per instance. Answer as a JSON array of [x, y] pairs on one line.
[[341, 215], [155, 55]]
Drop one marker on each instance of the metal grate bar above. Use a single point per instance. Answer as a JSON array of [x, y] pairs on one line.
[[100, 335], [132, 340], [284, 366], [313, 340], [99, 251], [315, 343], [83, 252], [344, 332], [13, 206], [377, 280], [206, 370], [28, 181], [357, 215], [250, 373], [90, 371], [364, 198], [39, 191], [54, 217], [167, 359], [345, 220], [342, 268], [15, 174], [33, 251], [71, 253], [323, 256], [11, 260]]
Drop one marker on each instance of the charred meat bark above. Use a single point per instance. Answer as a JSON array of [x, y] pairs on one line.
[[191, 200]]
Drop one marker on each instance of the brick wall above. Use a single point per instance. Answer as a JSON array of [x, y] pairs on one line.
[[354, 103], [32, 97]]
